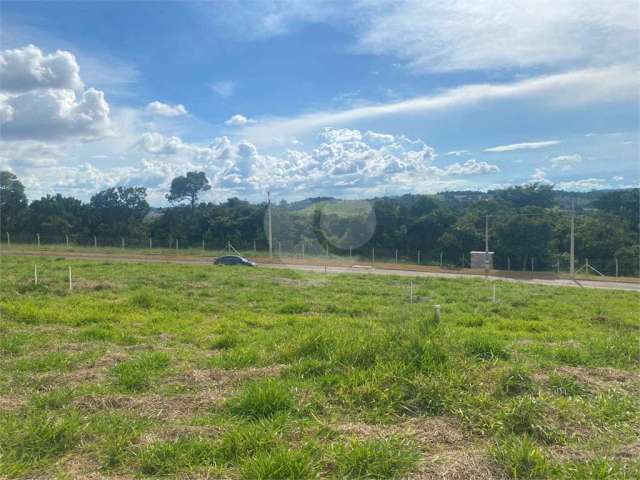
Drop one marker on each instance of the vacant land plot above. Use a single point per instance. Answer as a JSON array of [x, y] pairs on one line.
[[200, 371]]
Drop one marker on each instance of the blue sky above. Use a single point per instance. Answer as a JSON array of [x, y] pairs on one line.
[[320, 97]]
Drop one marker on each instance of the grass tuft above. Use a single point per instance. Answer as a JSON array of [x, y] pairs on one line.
[[379, 458], [262, 399]]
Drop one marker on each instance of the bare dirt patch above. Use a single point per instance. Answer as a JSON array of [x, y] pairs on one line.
[[11, 403], [603, 378]]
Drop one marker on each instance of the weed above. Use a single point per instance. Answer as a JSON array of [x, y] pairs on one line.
[[516, 380], [280, 464], [164, 458], [138, 374], [486, 348], [262, 399], [379, 458], [567, 386], [520, 458]]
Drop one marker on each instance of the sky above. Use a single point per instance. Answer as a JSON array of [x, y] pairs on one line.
[[320, 98]]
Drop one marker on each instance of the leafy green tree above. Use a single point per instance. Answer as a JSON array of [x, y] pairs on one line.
[[532, 195], [13, 201], [118, 211], [55, 215], [188, 187]]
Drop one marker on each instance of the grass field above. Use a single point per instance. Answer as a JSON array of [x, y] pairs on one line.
[[205, 372]]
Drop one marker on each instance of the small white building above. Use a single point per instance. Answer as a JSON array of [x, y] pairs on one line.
[[478, 259]]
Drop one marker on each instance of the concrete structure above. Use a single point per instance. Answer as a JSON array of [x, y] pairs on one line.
[[477, 259]]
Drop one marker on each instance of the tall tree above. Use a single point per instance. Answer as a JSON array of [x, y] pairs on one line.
[[118, 211], [188, 187], [13, 201]]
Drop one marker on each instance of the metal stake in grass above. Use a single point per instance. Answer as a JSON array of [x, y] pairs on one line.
[[35, 274], [70, 284]]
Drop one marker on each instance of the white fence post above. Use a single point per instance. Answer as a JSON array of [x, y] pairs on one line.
[[35, 274], [66, 239], [616, 259], [122, 242], [38, 239], [440, 259], [150, 242], [70, 284], [437, 313]]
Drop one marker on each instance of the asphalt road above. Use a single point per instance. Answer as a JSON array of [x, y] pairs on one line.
[[355, 269]]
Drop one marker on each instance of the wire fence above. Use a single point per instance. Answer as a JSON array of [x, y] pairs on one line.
[[616, 265]]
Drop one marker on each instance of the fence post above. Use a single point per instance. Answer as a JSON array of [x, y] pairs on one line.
[[373, 255], [176, 244], [508, 264], [437, 313], [302, 249], [95, 242], [616, 259], [38, 239], [532, 264], [122, 242], [203, 244], [349, 252], [35, 274], [8, 240], [396, 255], [441, 260], [66, 239], [327, 250], [418, 257], [150, 242], [558, 265], [254, 246], [70, 284]]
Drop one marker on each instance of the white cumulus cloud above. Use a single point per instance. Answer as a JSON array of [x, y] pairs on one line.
[[27, 68], [237, 120], [165, 110], [43, 98]]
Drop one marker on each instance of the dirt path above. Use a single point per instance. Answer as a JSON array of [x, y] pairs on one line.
[[332, 266]]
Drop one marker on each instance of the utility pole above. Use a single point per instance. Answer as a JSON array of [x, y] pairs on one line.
[[572, 265], [486, 245], [269, 227]]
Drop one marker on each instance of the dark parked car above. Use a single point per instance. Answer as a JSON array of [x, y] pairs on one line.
[[234, 260]]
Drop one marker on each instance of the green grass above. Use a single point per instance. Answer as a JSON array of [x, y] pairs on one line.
[[194, 371]]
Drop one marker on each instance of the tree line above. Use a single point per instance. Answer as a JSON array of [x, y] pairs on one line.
[[526, 222]]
